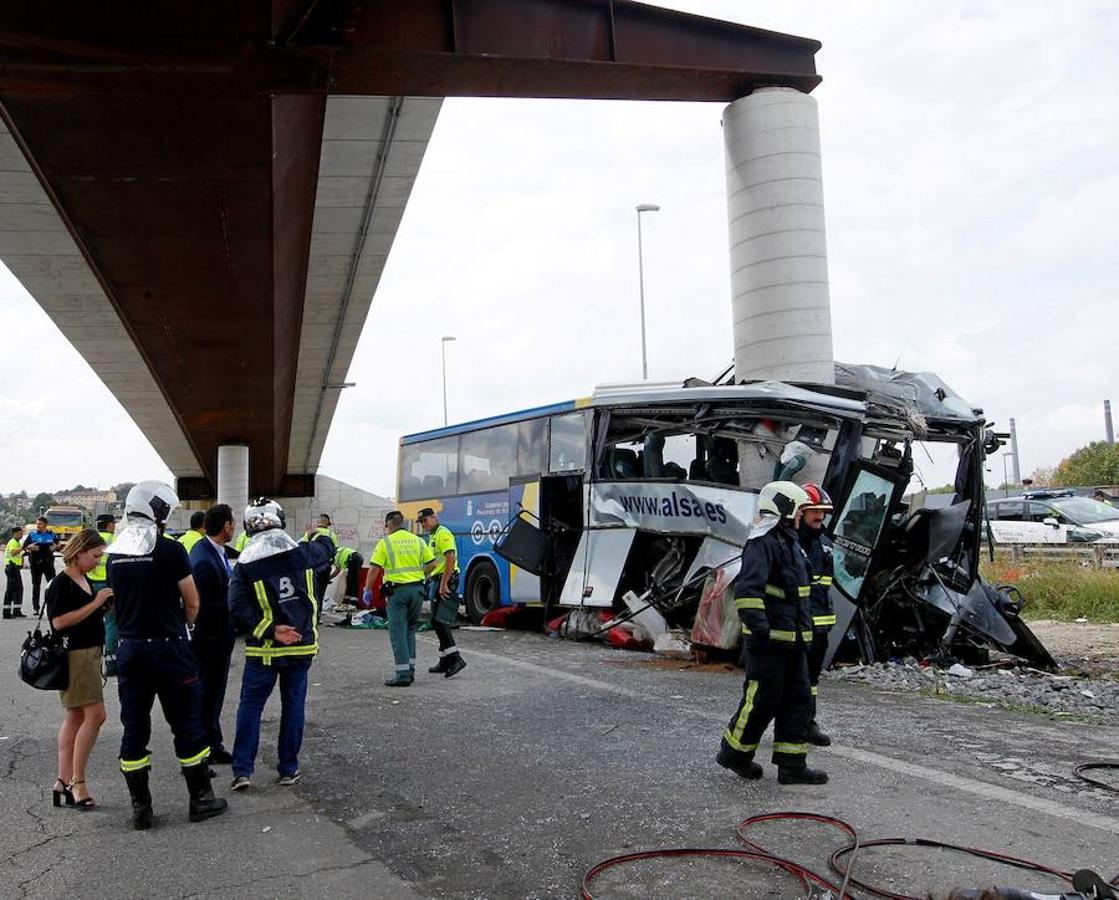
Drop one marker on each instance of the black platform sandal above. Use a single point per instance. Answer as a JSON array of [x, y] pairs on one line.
[[57, 796], [83, 805]]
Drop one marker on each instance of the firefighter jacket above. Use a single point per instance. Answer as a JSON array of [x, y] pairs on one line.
[[772, 589], [277, 590], [817, 547]]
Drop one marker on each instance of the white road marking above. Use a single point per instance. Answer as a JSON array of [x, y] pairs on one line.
[[912, 770]]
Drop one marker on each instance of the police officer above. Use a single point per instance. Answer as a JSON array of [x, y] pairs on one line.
[[40, 545], [272, 601], [13, 573], [98, 579], [155, 598], [817, 547], [771, 595], [442, 592], [348, 560], [406, 561]]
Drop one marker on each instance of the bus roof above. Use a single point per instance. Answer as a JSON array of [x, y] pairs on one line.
[[663, 392]]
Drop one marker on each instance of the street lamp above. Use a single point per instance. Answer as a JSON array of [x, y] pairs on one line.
[[642, 208], [443, 341]]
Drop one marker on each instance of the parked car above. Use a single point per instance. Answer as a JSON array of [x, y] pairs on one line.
[[1052, 517]]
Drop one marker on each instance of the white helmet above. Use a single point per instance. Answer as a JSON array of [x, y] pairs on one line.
[[263, 514], [151, 499], [782, 498]]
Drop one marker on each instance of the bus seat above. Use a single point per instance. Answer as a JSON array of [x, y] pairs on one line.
[[697, 471], [625, 463], [675, 471], [433, 485], [410, 486]]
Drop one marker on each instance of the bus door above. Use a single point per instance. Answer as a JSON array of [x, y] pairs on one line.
[[524, 495], [561, 518]]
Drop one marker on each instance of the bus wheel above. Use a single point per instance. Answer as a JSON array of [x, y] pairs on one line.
[[483, 591]]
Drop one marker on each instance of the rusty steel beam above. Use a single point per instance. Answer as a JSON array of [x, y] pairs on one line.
[[180, 144]]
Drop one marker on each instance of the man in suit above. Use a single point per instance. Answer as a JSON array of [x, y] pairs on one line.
[[213, 630]]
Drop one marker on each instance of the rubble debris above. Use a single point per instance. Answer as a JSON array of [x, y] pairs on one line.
[[1016, 687]]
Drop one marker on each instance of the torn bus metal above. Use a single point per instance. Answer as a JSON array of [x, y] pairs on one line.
[[668, 497]]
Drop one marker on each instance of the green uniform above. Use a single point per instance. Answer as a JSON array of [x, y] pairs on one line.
[[242, 541], [444, 610], [403, 556], [342, 557], [13, 575]]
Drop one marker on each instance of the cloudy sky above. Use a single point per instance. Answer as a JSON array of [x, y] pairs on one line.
[[971, 172]]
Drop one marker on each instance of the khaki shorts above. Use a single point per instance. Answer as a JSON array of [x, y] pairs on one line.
[[85, 679]]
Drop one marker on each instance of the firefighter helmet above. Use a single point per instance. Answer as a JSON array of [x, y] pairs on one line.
[[263, 514], [781, 498], [151, 499], [817, 497]]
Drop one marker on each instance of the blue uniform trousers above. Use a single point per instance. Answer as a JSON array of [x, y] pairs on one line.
[[256, 687]]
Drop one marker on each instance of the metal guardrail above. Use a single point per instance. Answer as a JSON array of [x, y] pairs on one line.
[[1098, 556]]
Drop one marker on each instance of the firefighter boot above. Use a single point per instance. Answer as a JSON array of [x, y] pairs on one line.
[[203, 803], [439, 667], [816, 736], [747, 768], [455, 664], [141, 798], [800, 775]]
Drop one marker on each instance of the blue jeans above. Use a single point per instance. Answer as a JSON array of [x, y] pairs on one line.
[[256, 687]]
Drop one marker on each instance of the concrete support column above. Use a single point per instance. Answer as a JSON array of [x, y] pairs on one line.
[[778, 251], [233, 477]]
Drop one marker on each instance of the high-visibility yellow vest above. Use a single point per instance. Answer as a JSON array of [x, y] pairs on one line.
[[189, 538], [403, 556], [99, 573], [442, 540], [13, 553]]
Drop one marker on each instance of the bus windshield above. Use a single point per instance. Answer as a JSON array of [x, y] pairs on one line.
[[64, 518]]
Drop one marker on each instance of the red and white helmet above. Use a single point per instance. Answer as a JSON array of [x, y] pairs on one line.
[[817, 497]]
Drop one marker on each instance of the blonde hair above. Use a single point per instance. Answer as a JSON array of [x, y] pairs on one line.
[[86, 539]]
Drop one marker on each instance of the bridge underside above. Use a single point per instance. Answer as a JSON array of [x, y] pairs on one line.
[[203, 195]]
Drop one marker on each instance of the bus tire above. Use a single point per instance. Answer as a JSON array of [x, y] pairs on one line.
[[483, 590]]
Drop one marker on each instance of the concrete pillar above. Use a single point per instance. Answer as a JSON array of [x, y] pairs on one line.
[[778, 251], [233, 477], [1014, 452]]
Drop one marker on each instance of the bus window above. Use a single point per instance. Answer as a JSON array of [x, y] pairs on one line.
[[569, 443], [429, 469], [530, 447], [488, 459]]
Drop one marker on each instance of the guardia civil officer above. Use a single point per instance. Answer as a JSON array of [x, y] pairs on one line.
[[818, 549], [771, 595], [442, 592], [273, 602], [154, 600], [406, 561]]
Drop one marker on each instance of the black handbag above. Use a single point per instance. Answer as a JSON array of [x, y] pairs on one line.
[[43, 661]]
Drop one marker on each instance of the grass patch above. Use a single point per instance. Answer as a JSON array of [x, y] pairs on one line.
[[1058, 590]]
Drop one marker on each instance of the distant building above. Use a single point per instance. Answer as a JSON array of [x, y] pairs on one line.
[[85, 499], [22, 503]]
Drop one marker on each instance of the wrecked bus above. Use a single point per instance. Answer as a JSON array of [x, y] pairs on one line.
[[646, 489]]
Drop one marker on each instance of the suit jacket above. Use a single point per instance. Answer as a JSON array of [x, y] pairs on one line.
[[211, 576]]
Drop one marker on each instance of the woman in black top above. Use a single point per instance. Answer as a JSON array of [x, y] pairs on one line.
[[76, 613]]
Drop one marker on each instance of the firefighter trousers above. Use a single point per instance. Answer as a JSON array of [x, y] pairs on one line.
[[165, 669], [816, 653], [775, 690]]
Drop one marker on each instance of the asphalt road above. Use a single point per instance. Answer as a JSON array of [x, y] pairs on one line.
[[540, 759]]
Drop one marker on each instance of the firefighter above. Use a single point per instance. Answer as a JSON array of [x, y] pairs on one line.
[[154, 600], [817, 547], [324, 537], [407, 560], [442, 592], [771, 595], [273, 602]]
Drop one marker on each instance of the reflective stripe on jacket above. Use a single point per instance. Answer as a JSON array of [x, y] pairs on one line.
[[403, 556], [773, 586], [818, 549]]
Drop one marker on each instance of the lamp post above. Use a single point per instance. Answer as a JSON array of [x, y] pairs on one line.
[[642, 208], [443, 341]]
